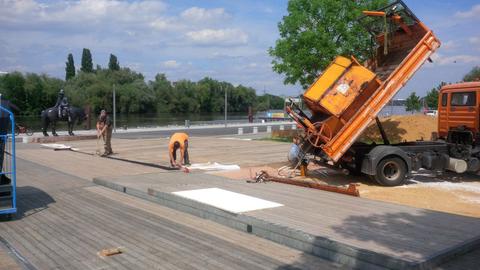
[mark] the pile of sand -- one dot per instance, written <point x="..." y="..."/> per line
<point x="402" y="128"/>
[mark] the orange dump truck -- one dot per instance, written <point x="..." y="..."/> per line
<point x="348" y="96"/>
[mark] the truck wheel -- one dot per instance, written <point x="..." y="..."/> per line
<point x="391" y="171"/>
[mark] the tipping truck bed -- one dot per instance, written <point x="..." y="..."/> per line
<point x="348" y="95"/>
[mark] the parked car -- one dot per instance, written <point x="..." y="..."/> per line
<point x="431" y="112"/>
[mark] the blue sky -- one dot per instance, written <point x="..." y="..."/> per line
<point x="225" y="40"/>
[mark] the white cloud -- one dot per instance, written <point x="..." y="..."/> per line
<point x="218" y="37"/>
<point x="196" y="14"/>
<point x="449" y="45"/>
<point x="473" y="13"/>
<point x="37" y="35"/>
<point x="85" y="12"/>
<point x="441" y="60"/>
<point x="171" y="64"/>
<point x="164" y="24"/>
<point x="133" y="66"/>
<point x="52" y="67"/>
<point x="474" y="41"/>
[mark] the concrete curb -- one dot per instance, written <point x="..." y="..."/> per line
<point x="323" y="247"/>
<point x="53" y="139"/>
<point x="170" y="128"/>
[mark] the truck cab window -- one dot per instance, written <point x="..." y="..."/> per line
<point x="444" y="99"/>
<point x="463" y="99"/>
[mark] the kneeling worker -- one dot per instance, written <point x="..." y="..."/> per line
<point x="178" y="141"/>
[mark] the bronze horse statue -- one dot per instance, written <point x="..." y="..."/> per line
<point x="50" y="116"/>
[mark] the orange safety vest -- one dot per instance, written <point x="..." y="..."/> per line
<point x="180" y="138"/>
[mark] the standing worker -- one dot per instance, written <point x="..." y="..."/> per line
<point x="178" y="141"/>
<point x="104" y="129"/>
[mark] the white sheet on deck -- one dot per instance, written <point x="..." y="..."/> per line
<point x="55" y="146"/>
<point x="227" y="200"/>
<point x="209" y="166"/>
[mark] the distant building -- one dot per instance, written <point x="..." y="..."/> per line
<point x="397" y="102"/>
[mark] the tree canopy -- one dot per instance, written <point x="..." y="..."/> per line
<point x="87" y="62"/>
<point x="314" y="32"/>
<point x="113" y="63"/>
<point x="413" y="103"/>
<point x="30" y="92"/>
<point x="33" y="93"/>
<point x="432" y="96"/>
<point x="473" y="75"/>
<point x="69" y="67"/>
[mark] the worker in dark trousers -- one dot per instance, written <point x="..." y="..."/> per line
<point x="104" y="129"/>
<point x="5" y="126"/>
<point x="178" y="141"/>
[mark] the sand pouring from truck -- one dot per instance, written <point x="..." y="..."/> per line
<point x="348" y="96"/>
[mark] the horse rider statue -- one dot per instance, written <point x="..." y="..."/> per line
<point x="62" y="105"/>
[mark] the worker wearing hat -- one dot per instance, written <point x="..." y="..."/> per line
<point x="178" y="141"/>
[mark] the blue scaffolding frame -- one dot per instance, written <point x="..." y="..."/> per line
<point x="8" y="173"/>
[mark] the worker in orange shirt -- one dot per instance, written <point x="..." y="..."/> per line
<point x="178" y="141"/>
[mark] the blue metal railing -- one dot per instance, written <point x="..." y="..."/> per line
<point x="9" y="160"/>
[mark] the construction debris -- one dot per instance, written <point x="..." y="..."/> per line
<point x="263" y="177"/>
<point x="110" y="252"/>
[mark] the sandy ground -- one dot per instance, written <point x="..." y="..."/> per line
<point x="403" y="128"/>
<point x="447" y="193"/>
<point x="452" y="193"/>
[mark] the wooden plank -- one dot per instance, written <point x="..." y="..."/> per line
<point x="66" y="224"/>
<point x="398" y="231"/>
<point x="255" y="244"/>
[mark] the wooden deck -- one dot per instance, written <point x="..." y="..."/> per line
<point x="59" y="207"/>
<point x="64" y="221"/>
<point x="359" y="232"/>
<point x="7" y="259"/>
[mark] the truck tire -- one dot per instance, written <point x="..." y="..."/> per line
<point x="391" y="171"/>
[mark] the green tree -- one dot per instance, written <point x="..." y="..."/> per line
<point x="413" y="103"/>
<point x="314" y="32"/>
<point x="473" y="75"/>
<point x="87" y="63"/>
<point x="432" y="96"/>
<point x="163" y="91"/>
<point x="269" y="102"/>
<point x="69" y="67"/>
<point x="13" y="89"/>
<point x="113" y="63"/>
<point x="33" y="93"/>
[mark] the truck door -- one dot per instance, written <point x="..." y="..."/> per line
<point x="443" y="115"/>
<point x="463" y="110"/>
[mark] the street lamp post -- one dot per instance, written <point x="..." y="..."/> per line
<point x="226" y="108"/>
<point x="114" y="111"/>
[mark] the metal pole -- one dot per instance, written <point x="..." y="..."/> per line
<point x="226" y="108"/>
<point x="114" y="111"/>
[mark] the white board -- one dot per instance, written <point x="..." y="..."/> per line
<point x="227" y="200"/>
<point x="209" y="166"/>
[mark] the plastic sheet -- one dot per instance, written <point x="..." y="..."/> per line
<point x="213" y="166"/>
